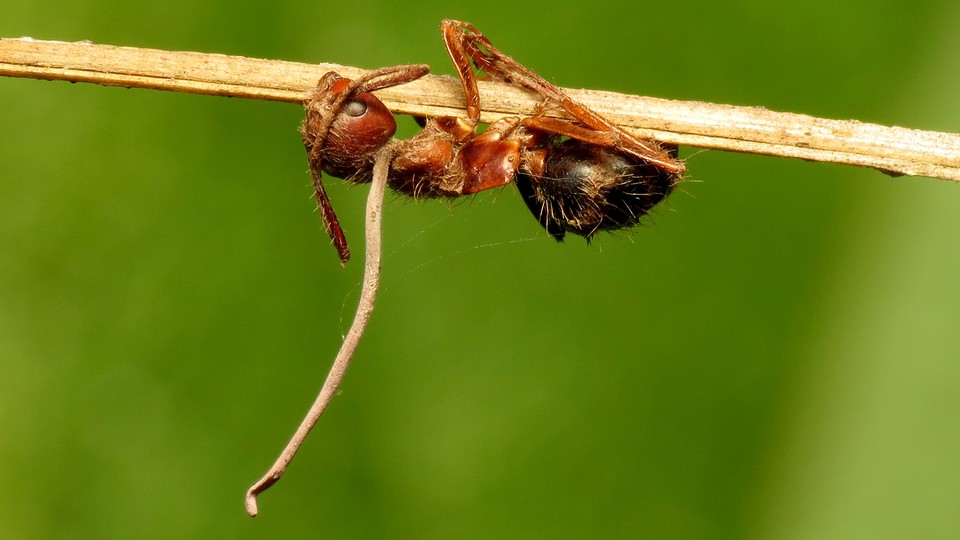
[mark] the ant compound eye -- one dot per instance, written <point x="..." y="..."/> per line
<point x="355" y="108"/>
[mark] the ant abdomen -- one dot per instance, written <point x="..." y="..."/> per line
<point x="585" y="188"/>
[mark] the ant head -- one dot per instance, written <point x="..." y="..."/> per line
<point x="346" y="124"/>
<point x="360" y="127"/>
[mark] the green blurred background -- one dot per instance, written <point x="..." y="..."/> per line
<point x="776" y="355"/>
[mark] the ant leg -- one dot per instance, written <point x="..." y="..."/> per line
<point x="504" y="68"/>
<point x="567" y="128"/>
<point x="454" y="43"/>
<point x="603" y="139"/>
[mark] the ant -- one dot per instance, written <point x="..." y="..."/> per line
<point x="581" y="176"/>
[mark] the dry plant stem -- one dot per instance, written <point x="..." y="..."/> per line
<point x="724" y="127"/>
<point x="368" y="294"/>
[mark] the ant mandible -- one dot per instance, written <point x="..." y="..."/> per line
<point x="581" y="176"/>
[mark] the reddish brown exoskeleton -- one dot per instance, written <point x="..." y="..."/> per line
<point x="579" y="175"/>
